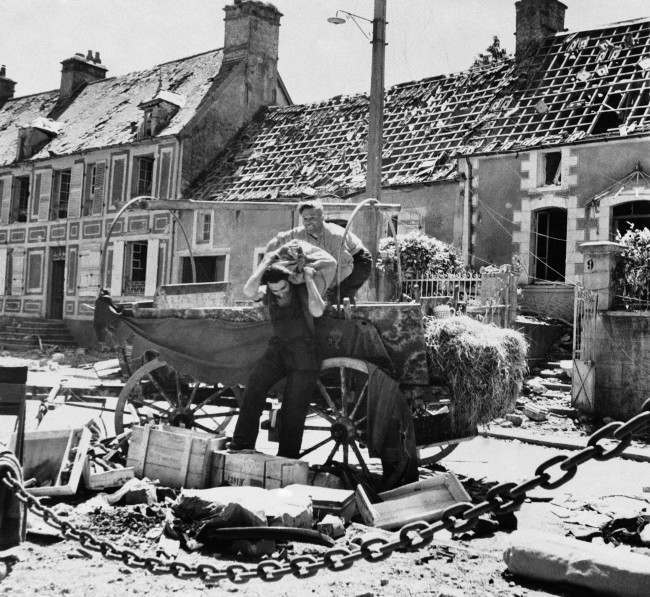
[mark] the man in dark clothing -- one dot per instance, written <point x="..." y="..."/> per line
<point x="291" y="353"/>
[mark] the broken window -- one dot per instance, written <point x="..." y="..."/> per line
<point x="60" y="195"/>
<point x="209" y="268"/>
<point x="550" y="169"/>
<point x="19" y="199"/>
<point x="549" y="244"/>
<point x="633" y="214"/>
<point x="135" y="267"/>
<point x="142" y="176"/>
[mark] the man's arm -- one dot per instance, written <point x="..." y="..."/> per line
<point x="278" y="240"/>
<point x="252" y="286"/>
<point x="315" y="302"/>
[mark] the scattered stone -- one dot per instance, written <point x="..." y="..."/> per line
<point x="332" y="526"/>
<point x="516" y="420"/>
<point x="507" y="424"/>
<point x="535" y="413"/>
<point x="534" y="386"/>
<point x="383" y="582"/>
<point x="58" y="357"/>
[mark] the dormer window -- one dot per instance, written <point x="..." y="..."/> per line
<point x="158" y="113"/>
<point x="33" y="137"/>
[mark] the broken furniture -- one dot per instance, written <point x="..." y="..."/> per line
<point x="175" y="456"/>
<point x="423" y="500"/>
<point x="12" y="402"/>
<point x="55" y="459"/>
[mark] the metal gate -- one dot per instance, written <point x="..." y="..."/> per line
<point x="584" y="334"/>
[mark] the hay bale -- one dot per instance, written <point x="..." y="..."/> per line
<point x="483" y="366"/>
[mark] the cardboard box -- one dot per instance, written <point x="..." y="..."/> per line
<point x="256" y="469"/>
<point x="423" y="500"/>
<point x="175" y="456"/>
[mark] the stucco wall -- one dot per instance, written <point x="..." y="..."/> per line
<point x="496" y="183"/>
<point x="622" y="362"/>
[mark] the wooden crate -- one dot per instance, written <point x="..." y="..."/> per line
<point x="326" y="500"/>
<point x="56" y="460"/>
<point x="256" y="469"/>
<point x="422" y="500"/>
<point x="174" y="456"/>
<point x="106" y="479"/>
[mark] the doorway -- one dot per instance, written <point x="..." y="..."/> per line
<point x="549" y="244"/>
<point x="57" y="283"/>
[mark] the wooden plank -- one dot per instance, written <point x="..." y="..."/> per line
<point x="106" y="479"/>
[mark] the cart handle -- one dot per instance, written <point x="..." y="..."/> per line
<point x="371" y="201"/>
<point x="141" y="202"/>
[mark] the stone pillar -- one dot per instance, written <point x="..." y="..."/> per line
<point x="600" y="259"/>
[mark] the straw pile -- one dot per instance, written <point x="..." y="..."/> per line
<point x="482" y="365"/>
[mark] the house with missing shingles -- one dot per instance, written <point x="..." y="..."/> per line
<point x="71" y="157"/>
<point x="517" y="157"/>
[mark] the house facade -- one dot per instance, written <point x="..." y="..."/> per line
<point x="72" y="157"/>
<point x="503" y="160"/>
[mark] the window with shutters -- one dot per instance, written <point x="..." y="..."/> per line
<point x="37" y="195"/>
<point x="203" y="227"/>
<point x="60" y="195"/>
<point x="135" y="267"/>
<point x="19" y="199"/>
<point x="94" y="191"/>
<point x="118" y="180"/>
<point x="142" y="176"/>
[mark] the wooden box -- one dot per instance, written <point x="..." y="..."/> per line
<point x="423" y="500"/>
<point x="175" y="456"/>
<point x="56" y="460"/>
<point x="106" y="479"/>
<point x="256" y="469"/>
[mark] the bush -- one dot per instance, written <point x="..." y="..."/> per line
<point x="632" y="274"/>
<point x="421" y="256"/>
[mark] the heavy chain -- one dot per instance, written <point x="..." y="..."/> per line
<point x="501" y="499"/>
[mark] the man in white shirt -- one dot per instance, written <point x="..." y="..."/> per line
<point x="354" y="261"/>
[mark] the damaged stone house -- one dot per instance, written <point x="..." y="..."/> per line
<point x="71" y="157"/>
<point x="504" y="159"/>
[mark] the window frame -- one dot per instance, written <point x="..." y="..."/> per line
<point x="542" y="160"/>
<point x="123" y="157"/>
<point x="55" y="202"/>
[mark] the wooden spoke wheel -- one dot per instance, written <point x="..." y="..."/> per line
<point x="343" y="389"/>
<point x="155" y="392"/>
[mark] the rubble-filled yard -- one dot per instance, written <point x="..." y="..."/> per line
<point x="606" y="505"/>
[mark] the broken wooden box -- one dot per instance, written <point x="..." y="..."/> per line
<point x="422" y="500"/>
<point x="175" y="456"/>
<point x="98" y="478"/>
<point x="326" y="500"/>
<point x="256" y="469"/>
<point x="56" y="460"/>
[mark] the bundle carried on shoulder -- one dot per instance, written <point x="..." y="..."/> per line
<point x="482" y="365"/>
<point x="296" y="254"/>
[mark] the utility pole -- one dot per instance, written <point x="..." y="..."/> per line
<point x="376" y="124"/>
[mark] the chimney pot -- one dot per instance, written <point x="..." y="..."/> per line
<point x="3" y="71"/>
<point x="7" y="86"/>
<point x="97" y="60"/>
<point x="89" y="55"/>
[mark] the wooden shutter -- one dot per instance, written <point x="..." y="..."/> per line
<point x="5" y="199"/>
<point x="71" y="271"/>
<point x="76" y="184"/>
<point x="3" y="268"/>
<point x="18" y="272"/>
<point x="98" y="195"/>
<point x="118" y="268"/>
<point x="44" y="196"/>
<point x="164" y="180"/>
<point x="36" y="195"/>
<point x="89" y="270"/>
<point x="152" y="267"/>
<point x="117" y="183"/>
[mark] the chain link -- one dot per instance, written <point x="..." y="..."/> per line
<point x="503" y="498"/>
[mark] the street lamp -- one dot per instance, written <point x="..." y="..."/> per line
<point x="376" y="116"/>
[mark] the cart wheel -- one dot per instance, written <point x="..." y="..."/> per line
<point x="157" y="393"/>
<point x="433" y="454"/>
<point x="343" y="387"/>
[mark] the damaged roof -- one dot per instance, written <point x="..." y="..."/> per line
<point x="107" y="112"/>
<point x="577" y="87"/>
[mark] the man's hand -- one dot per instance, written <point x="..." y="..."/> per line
<point x="271" y="257"/>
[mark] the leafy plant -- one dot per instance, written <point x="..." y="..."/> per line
<point x="632" y="273"/>
<point x="421" y="256"/>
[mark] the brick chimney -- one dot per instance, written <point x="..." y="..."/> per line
<point x="251" y="34"/>
<point x="78" y="71"/>
<point x="7" y="86"/>
<point x="536" y="20"/>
